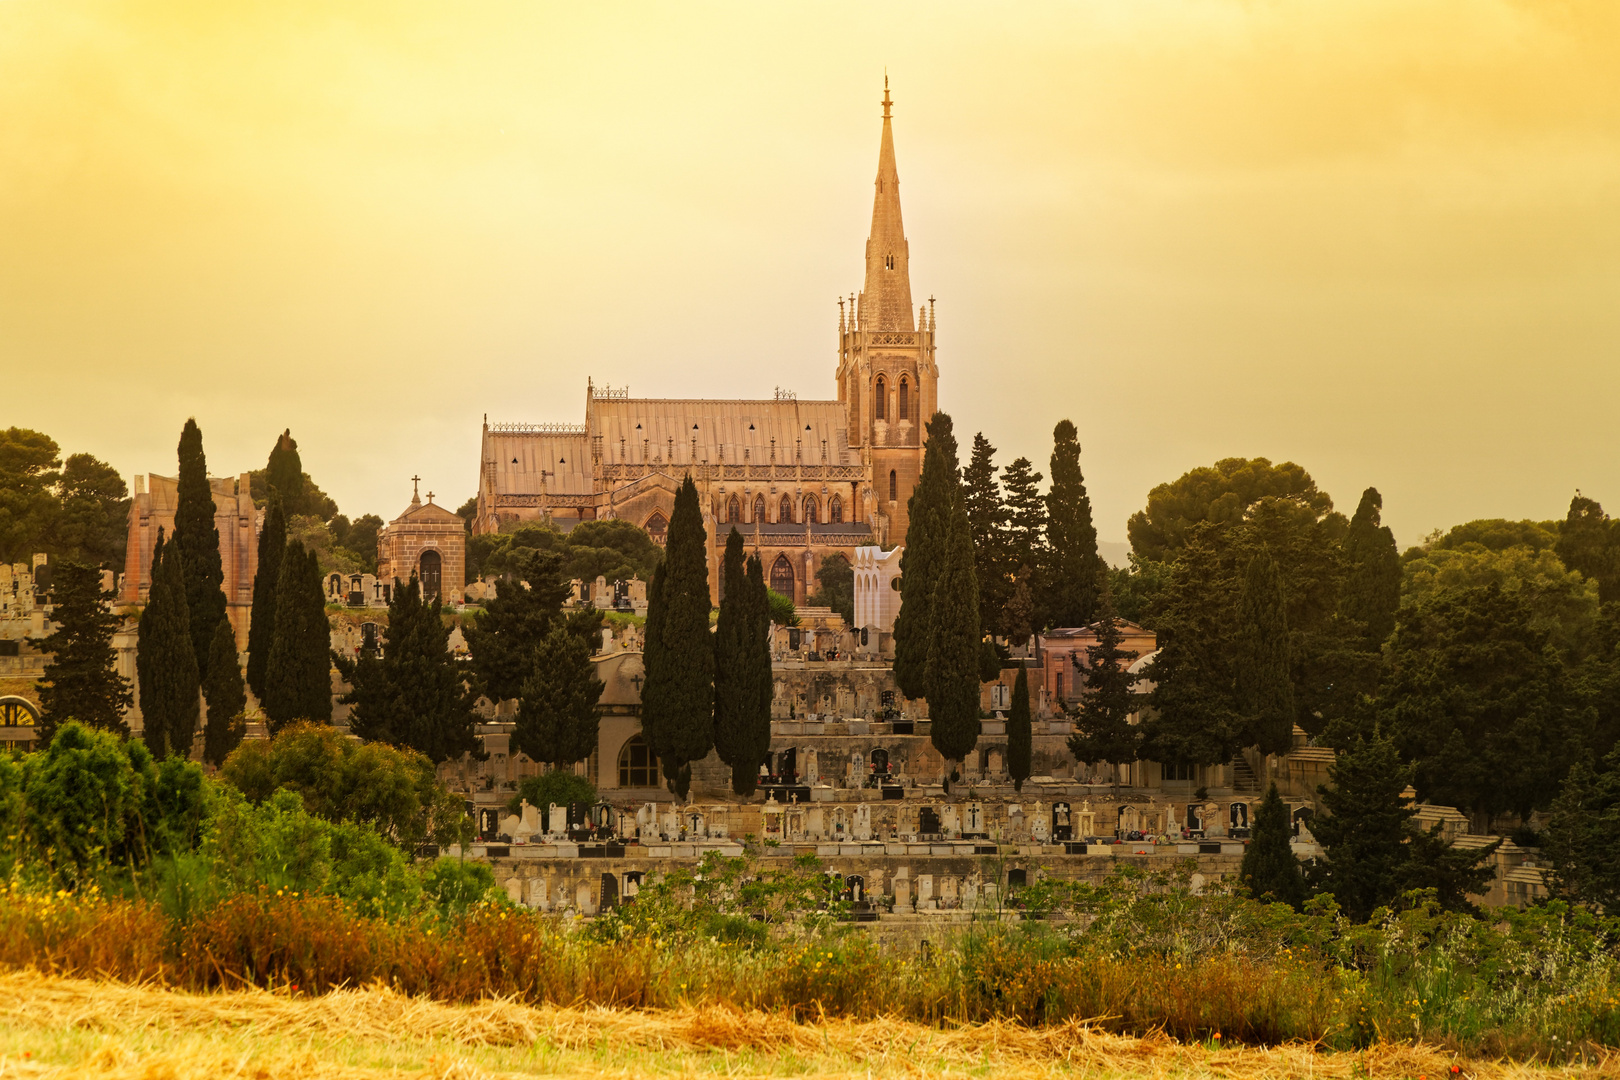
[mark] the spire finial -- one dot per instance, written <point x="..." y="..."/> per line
<point x="415" y="498"/>
<point x="886" y="102"/>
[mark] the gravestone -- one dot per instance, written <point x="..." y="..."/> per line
<point x="537" y="893"/>
<point x="1062" y="829"/>
<point x="863" y="822"/>
<point x="1040" y="824"/>
<point x="928" y="823"/>
<point x="950" y="822"/>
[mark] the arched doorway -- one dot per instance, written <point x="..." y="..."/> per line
<point x="637" y="765"/>
<point x="782" y="576"/>
<point x="430" y="571"/>
<point x="657" y="526"/>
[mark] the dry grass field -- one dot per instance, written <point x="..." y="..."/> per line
<point x="56" y="1027"/>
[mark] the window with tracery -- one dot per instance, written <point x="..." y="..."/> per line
<point x="759" y="508"/>
<point x="905" y="401"/>
<point x="784" y="512"/>
<point x="810" y="510"/>
<point x="835" y="510"/>
<point x="782" y="576"/>
<point x="881" y="400"/>
<point x="657" y="526"/>
<point x="733" y="510"/>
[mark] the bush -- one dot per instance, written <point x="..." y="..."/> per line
<point x="558" y="786"/>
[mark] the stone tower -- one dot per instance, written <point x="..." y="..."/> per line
<point x="887" y="378"/>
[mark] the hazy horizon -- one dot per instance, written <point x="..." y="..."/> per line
<point x="1381" y="239"/>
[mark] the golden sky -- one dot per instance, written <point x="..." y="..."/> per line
<point x="1377" y="237"/>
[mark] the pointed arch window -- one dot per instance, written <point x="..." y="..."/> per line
<point x="810" y="509"/>
<point x="784" y="511"/>
<point x="881" y="400"/>
<point x="894" y="486"/>
<point x="835" y="510"/>
<point x="656" y="527"/>
<point x="759" y="508"/>
<point x="782" y="576"/>
<point x="905" y="400"/>
<point x="733" y="510"/>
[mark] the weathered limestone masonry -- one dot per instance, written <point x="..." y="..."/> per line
<point x="426" y="540"/>
<point x="800" y="479"/>
<point x="152" y="508"/>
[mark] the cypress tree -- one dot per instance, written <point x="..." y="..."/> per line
<point x="197" y="539"/>
<point x="262" y="623"/>
<point x="558" y="712"/>
<point x="756" y="736"/>
<point x="81" y="678"/>
<point x="929" y="509"/>
<point x="226" y="697"/>
<point x="1265" y="691"/>
<point x="987" y="518"/>
<point x="1372" y="587"/>
<point x="284" y="474"/>
<point x="165" y="665"/>
<point x="298" y="674"/>
<point x="1366" y="828"/>
<point x="1269" y="868"/>
<point x="954" y="644"/>
<point x="415" y="694"/>
<point x="511" y="627"/>
<point x="677" y="700"/>
<point x="1103" y="729"/>
<point x="1020" y="735"/>
<point x="736" y="699"/>
<point x="1073" y="569"/>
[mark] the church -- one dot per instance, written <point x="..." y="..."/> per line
<point x="800" y="479"/>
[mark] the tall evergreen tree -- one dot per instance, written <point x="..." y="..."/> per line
<point x="197" y="538"/>
<point x="1102" y="726"/>
<point x="298" y="675"/>
<point x="1366" y="828"/>
<point x="415" y="694"/>
<point x="1582" y="837"/>
<point x="987" y="519"/>
<point x="1073" y="570"/>
<point x="759" y="662"/>
<point x="1269" y="868"/>
<point x="1372" y="585"/>
<point x="284" y="473"/>
<point x="1026" y="518"/>
<point x="527" y="607"/>
<point x="1264" y="691"/>
<point x="929" y="510"/>
<point x="81" y="678"/>
<point x="739" y="721"/>
<point x="165" y="666"/>
<point x="677" y="700"/>
<point x="559" y="711"/>
<point x="1020" y="733"/>
<point x="262" y="622"/>
<point x="226" y="697"/>
<point x="954" y="642"/>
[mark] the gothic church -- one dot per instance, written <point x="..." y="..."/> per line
<point x="799" y="479"/>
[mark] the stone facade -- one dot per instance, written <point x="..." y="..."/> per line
<point x="152" y="509"/>
<point x="800" y="479"/>
<point x="426" y="540"/>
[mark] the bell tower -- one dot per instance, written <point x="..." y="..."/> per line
<point x="887" y="377"/>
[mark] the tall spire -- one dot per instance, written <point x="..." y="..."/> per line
<point x="886" y="301"/>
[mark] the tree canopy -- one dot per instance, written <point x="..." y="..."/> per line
<point x="1220" y="494"/>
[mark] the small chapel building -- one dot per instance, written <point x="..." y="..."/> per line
<point x="426" y="540"/>
<point x="800" y="479"/>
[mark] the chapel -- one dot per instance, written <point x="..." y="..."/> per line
<point x="800" y="479"/>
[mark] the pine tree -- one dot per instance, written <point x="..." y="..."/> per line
<point x="226" y="697"/>
<point x="262" y="623"/>
<point x="1372" y="587"/>
<point x="1102" y="727"/>
<point x="81" y="678"/>
<point x="1582" y="837"/>
<point x="1269" y="868"/>
<point x="929" y="509"/>
<point x="1265" y="692"/>
<point x="559" y="711"/>
<point x="415" y="694"/>
<point x="736" y="691"/>
<point x="1026" y="520"/>
<point x="677" y="700"/>
<point x="987" y="518"/>
<point x="1072" y="571"/>
<point x="197" y="538"/>
<point x="284" y="474"/>
<point x="1590" y="542"/>
<point x="526" y="608"/>
<point x="1020" y="734"/>
<point x="298" y="674"/>
<point x="1018" y="619"/>
<point x="1366" y="828"/>
<point x="166" y="668"/>
<point x="953" y="647"/>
